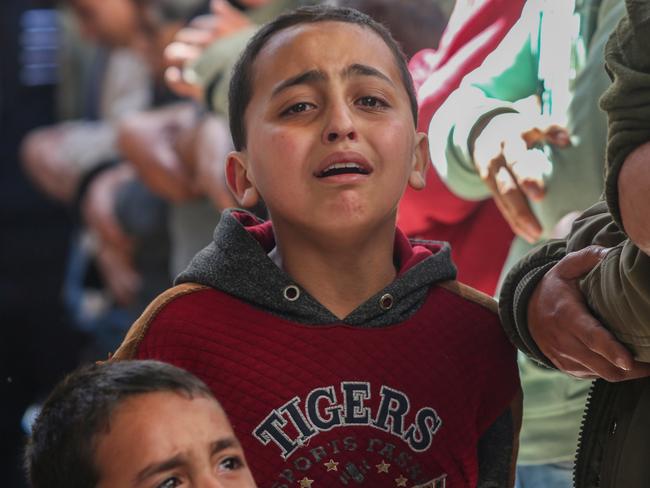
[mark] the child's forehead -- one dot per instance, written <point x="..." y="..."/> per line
<point x="323" y="45"/>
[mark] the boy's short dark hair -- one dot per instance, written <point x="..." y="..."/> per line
<point x="60" y="451"/>
<point x="241" y="83"/>
<point x="414" y="24"/>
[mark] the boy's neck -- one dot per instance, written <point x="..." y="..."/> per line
<point x="340" y="273"/>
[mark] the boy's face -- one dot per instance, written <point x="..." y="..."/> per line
<point x="109" y="22"/>
<point x="331" y="143"/>
<point x="165" y="440"/>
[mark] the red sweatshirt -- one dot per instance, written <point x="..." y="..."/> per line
<point x="399" y="393"/>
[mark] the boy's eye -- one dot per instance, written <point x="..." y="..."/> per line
<point x="170" y="482"/>
<point x="372" y="102"/>
<point x="298" y="108"/>
<point x="231" y="463"/>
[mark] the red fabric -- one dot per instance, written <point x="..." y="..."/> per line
<point x="449" y="370"/>
<point x="407" y="255"/>
<point x="478" y="235"/>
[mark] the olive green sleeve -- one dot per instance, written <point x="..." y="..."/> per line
<point x="594" y="226"/>
<point x="618" y="292"/>
<point x="627" y="101"/>
<point x="618" y="289"/>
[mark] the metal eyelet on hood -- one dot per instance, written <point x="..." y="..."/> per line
<point x="291" y="293"/>
<point x="386" y="302"/>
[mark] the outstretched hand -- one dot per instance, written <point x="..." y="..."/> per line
<point x="513" y="168"/>
<point x="566" y="332"/>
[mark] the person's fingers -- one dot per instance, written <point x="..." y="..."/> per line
<point x="194" y="37"/>
<point x="578" y="263"/>
<point x="178" y="53"/>
<point x="598" y="367"/>
<point x="499" y="181"/>
<point x="121" y="278"/>
<point x="571" y="367"/>
<point x="532" y="136"/>
<point x="529" y="171"/>
<point x="534" y="189"/>
<point x="638" y="370"/>
<point x="111" y="232"/>
<point x="574" y="354"/>
<point x="553" y="134"/>
<point x="557" y="135"/>
<point x="177" y="83"/>
<point x="516" y="206"/>
<point x="584" y="363"/>
<point x="599" y="340"/>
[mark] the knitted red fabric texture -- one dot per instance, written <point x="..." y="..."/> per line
<point x="326" y="406"/>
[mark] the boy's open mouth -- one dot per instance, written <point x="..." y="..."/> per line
<point x="349" y="168"/>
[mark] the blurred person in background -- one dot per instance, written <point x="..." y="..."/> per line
<point x="129" y="220"/>
<point x="75" y="163"/>
<point x="474" y="30"/>
<point x="127" y="223"/>
<point x="65" y="159"/>
<point x="525" y="130"/>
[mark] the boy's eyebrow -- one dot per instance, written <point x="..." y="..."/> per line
<point x="223" y="444"/>
<point x="308" y="77"/>
<point x="314" y="76"/>
<point x="178" y="460"/>
<point x="365" y="70"/>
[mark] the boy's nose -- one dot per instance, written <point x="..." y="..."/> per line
<point x="339" y="126"/>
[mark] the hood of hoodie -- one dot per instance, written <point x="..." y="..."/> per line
<point x="236" y="262"/>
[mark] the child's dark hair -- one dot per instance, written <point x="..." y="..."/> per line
<point x="241" y="83"/>
<point x="60" y="451"/>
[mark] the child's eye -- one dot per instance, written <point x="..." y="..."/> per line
<point x="372" y="102"/>
<point x="170" y="482"/>
<point x="298" y="108"/>
<point x="231" y="463"/>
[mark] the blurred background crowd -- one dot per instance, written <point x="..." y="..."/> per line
<point x="114" y="131"/>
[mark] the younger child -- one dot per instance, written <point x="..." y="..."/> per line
<point x="345" y="354"/>
<point x="134" y="424"/>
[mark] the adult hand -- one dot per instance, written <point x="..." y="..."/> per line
<point x="150" y="141"/>
<point x="98" y="207"/>
<point x="119" y="273"/>
<point x="44" y="162"/>
<point x="191" y="41"/>
<point x="114" y="247"/>
<point x="567" y="333"/>
<point x="513" y="169"/>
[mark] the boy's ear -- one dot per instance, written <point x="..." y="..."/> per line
<point x="240" y="180"/>
<point x="417" y="178"/>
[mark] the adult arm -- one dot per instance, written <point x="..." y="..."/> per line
<point x="627" y="103"/>
<point x="617" y="289"/>
<point x="555" y="302"/>
<point x="150" y="141"/>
